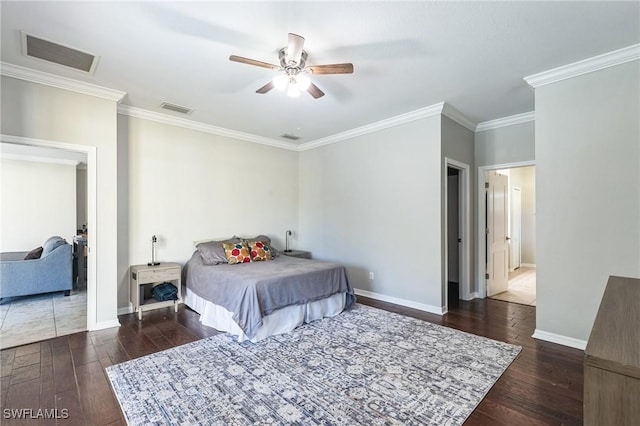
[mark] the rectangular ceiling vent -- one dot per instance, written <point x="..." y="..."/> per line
<point x="290" y="136"/>
<point x="49" y="51"/>
<point x="176" y="108"/>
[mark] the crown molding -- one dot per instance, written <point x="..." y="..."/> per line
<point x="606" y="60"/>
<point x="458" y="117"/>
<point x="375" y="127"/>
<point x="39" y="159"/>
<point x="202" y="127"/>
<point x="506" y="121"/>
<point x="28" y="74"/>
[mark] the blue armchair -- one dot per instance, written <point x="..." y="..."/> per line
<point x="51" y="272"/>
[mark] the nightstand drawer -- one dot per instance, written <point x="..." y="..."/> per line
<point x="154" y="275"/>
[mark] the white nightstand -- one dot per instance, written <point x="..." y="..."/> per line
<point x="297" y="253"/>
<point x="142" y="275"/>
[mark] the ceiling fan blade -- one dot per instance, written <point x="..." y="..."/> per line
<point x="332" y="69"/>
<point x="294" y="48"/>
<point x="248" y="61"/>
<point x="264" y="89"/>
<point x="315" y="91"/>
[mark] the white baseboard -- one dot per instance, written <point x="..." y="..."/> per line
<point x="438" y="310"/>
<point x="126" y="310"/>
<point x="101" y="325"/>
<point x="528" y="265"/>
<point x="559" y="339"/>
<point x="473" y="295"/>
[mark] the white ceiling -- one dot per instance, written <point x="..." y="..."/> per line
<point x="407" y="55"/>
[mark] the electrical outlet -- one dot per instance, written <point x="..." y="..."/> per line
<point x="371" y="276"/>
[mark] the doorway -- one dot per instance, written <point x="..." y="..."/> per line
<point x="457" y="233"/>
<point x="91" y="210"/>
<point x="52" y="177"/>
<point x="507" y="248"/>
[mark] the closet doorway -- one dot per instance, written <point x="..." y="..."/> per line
<point x="457" y="230"/>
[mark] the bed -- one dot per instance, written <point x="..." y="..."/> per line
<point x="258" y="299"/>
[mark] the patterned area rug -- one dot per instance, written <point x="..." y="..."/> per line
<point x="365" y="366"/>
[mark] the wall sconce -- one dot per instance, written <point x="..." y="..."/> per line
<point x="286" y="239"/>
<point x="153" y="262"/>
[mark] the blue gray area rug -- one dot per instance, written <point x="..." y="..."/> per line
<point x="363" y="367"/>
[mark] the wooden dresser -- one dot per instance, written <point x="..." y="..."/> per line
<point x="612" y="357"/>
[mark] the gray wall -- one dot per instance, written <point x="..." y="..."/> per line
<point x="588" y="193"/>
<point x="373" y="203"/>
<point x="185" y="185"/>
<point x="504" y="145"/>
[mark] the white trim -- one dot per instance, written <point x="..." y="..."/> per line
<point x="525" y="117"/>
<point x="458" y="117"/>
<point x="480" y="229"/>
<point x="528" y="265"/>
<point x="91" y="152"/>
<point x="16" y="71"/>
<point x="126" y="310"/>
<point x="466" y="267"/>
<point x="559" y="339"/>
<point x="606" y="60"/>
<point x="377" y="126"/>
<point x="106" y="324"/>
<point x="402" y="302"/>
<point x="202" y="127"/>
<point x="39" y="159"/>
<point x="22" y="73"/>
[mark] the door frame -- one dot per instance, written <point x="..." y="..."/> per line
<point x="464" y="229"/>
<point x="92" y="208"/>
<point x="481" y="236"/>
<point x="512" y="228"/>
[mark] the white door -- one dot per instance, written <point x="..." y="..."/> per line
<point x="497" y="236"/>
<point x="516" y="227"/>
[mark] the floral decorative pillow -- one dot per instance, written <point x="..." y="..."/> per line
<point x="237" y="252"/>
<point x="259" y="250"/>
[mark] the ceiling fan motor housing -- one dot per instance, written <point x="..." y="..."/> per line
<point x="287" y="65"/>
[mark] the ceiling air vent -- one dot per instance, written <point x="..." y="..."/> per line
<point x="62" y="55"/>
<point x="290" y="136"/>
<point x="176" y="108"/>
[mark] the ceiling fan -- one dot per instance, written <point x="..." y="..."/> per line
<point x="293" y="70"/>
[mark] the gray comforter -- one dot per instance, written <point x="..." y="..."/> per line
<point x="253" y="290"/>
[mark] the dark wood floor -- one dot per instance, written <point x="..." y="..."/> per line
<point x="542" y="386"/>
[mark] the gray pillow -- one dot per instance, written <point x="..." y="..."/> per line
<point x="212" y="252"/>
<point x="51" y="244"/>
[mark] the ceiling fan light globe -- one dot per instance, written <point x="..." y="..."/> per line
<point x="303" y="81"/>
<point x="281" y="81"/>
<point x="293" y="91"/>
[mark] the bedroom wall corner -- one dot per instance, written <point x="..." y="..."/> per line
<point x="458" y="144"/>
<point x="123" y="213"/>
<point x="372" y="203"/>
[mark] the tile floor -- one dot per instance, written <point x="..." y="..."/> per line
<point x="522" y="287"/>
<point x="33" y="318"/>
